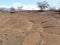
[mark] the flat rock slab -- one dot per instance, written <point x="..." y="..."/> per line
<point x="15" y="30"/>
<point x="29" y="29"/>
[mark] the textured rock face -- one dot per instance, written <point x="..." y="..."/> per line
<point x="29" y="29"/>
<point x="17" y="30"/>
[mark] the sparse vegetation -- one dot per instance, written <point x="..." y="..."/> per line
<point x="20" y="8"/>
<point x="43" y="5"/>
<point x="3" y="10"/>
<point x="52" y="9"/>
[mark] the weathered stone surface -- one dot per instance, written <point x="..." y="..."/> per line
<point x="29" y="28"/>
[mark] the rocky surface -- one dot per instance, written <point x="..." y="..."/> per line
<point x="30" y="28"/>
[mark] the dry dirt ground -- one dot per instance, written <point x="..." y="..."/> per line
<point x="30" y="28"/>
